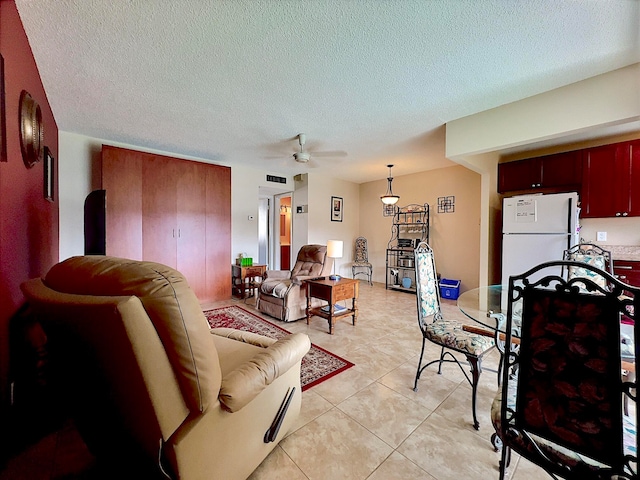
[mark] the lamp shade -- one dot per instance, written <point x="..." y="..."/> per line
<point x="389" y="198"/>
<point x="334" y="248"/>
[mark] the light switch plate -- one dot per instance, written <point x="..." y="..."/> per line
<point x="602" y="236"/>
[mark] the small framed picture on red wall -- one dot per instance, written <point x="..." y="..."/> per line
<point x="49" y="170"/>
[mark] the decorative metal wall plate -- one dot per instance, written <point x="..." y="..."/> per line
<point x="31" y="130"/>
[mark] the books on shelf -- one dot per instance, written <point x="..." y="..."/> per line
<point x="336" y="309"/>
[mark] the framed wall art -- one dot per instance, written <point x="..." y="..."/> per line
<point x="31" y="130"/>
<point x="447" y="204"/>
<point x="48" y="174"/>
<point x="337" y="207"/>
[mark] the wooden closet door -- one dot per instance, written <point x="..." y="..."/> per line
<point x="122" y="180"/>
<point x="159" y="210"/>
<point x="176" y="212"/>
<point x="191" y="203"/>
<point x="218" y="232"/>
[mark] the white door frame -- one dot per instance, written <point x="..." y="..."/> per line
<point x="275" y="230"/>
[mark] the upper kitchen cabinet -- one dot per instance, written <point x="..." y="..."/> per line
<point x="609" y="172"/>
<point x="561" y="172"/>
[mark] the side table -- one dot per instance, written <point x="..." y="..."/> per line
<point x="245" y="279"/>
<point x="332" y="291"/>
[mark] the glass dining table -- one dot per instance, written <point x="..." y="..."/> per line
<point x="486" y="306"/>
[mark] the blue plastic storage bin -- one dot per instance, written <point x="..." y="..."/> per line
<point x="449" y="288"/>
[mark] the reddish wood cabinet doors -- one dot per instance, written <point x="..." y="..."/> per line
<point x="561" y="172"/>
<point x="609" y="176"/>
<point x="173" y="211"/>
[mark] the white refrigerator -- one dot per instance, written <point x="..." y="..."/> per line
<point x="537" y="229"/>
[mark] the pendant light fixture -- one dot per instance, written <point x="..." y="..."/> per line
<point x="389" y="198"/>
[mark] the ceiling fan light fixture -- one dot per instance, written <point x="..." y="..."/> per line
<point x="389" y="198"/>
<point x="302" y="157"/>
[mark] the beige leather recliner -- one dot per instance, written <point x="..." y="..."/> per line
<point x="282" y="294"/>
<point x="150" y="384"/>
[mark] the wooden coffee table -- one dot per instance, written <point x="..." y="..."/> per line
<point x="332" y="291"/>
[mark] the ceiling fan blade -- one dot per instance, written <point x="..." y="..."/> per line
<point x="284" y="146"/>
<point x="335" y="153"/>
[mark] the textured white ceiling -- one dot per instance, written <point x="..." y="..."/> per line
<point x="234" y="81"/>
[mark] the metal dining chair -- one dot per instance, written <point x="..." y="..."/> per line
<point x="600" y="258"/>
<point x="590" y="254"/>
<point x="560" y="404"/>
<point x="448" y="334"/>
<point x="361" y="260"/>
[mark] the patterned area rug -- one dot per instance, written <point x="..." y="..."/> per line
<point x="317" y="366"/>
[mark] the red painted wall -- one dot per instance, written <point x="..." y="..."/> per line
<point x="28" y="222"/>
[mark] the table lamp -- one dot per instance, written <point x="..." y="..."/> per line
<point x="334" y="250"/>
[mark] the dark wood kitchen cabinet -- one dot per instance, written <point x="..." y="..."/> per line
<point x="610" y="173"/>
<point x="627" y="271"/>
<point x="561" y="172"/>
<point x="172" y="211"/>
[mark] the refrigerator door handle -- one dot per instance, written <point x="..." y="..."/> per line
<point x="569" y="222"/>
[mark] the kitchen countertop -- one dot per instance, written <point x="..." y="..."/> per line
<point x="624" y="252"/>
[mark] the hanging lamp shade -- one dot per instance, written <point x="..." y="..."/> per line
<point x="389" y="198"/>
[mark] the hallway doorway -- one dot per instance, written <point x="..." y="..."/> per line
<point x="274" y="228"/>
<point x="285" y="232"/>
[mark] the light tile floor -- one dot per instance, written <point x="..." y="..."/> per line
<point x="368" y="423"/>
<point x="364" y="423"/>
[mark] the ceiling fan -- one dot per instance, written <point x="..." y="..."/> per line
<point x="304" y="156"/>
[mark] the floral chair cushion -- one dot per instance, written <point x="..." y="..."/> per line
<point x="444" y="332"/>
<point x="553" y="451"/>
<point x="451" y="334"/>
<point x="598" y="261"/>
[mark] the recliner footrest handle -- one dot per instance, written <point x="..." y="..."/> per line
<point x="271" y="434"/>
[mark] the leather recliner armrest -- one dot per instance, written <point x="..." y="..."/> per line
<point x="277" y="274"/>
<point x="244" y="383"/>
<point x="297" y="280"/>
<point x="245" y="337"/>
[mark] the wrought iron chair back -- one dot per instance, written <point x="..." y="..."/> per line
<point x="449" y="335"/>
<point x="561" y="401"/>
<point x="590" y="254"/>
<point x="361" y="260"/>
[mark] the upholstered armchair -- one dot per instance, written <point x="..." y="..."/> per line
<point x="151" y="387"/>
<point x="282" y="294"/>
